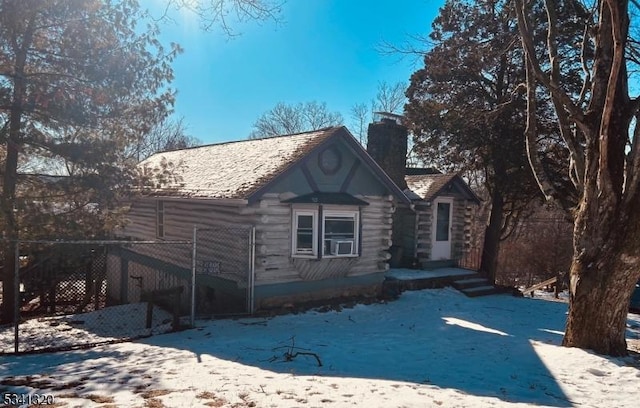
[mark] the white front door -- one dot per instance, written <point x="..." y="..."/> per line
<point x="441" y="233"/>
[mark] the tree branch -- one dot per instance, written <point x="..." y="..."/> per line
<point x="531" y="133"/>
<point x="575" y="113"/>
<point x="632" y="181"/>
<point x="614" y="22"/>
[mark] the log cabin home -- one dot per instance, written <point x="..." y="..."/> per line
<point x="321" y="207"/>
<point x="323" y="218"/>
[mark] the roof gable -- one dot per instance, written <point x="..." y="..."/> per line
<point x="429" y="186"/>
<point x="245" y="169"/>
<point x="233" y="169"/>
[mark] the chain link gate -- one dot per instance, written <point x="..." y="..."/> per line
<point x="224" y="269"/>
<point x="85" y="293"/>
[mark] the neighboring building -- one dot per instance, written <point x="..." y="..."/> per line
<point x="321" y="207"/>
<point x="435" y="229"/>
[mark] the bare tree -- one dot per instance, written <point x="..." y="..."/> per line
<point x="225" y="14"/>
<point x="601" y="132"/>
<point x="285" y="119"/>
<point x="391" y="98"/>
<point x="166" y="135"/>
<point x="360" y="118"/>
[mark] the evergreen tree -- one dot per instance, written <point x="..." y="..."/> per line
<point x="79" y="82"/>
<point x="467" y="113"/>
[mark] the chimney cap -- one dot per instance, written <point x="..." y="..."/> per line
<point x="388" y="117"/>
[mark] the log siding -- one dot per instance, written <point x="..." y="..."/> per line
<point x="274" y="234"/>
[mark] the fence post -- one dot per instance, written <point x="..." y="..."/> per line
<point x="17" y="300"/>
<point x="193" y="276"/>
<point x="150" y="310"/>
<point x="252" y="271"/>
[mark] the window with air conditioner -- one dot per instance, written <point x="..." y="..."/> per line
<point x="340" y="233"/>
<point x="323" y="233"/>
<point x="341" y="247"/>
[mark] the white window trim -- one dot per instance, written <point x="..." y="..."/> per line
<point x="356" y="226"/>
<point x="160" y="219"/>
<point x="294" y="233"/>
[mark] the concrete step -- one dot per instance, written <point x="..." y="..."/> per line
<point x="470" y="282"/>
<point x="480" y="291"/>
<point x="431" y="265"/>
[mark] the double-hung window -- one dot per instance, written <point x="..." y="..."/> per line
<point x="305" y="237"/>
<point x="334" y="233"/>
<point x="340" y="233"/>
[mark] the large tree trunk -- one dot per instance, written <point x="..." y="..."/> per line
<point x="491" y="245"/>
<point x="10" y="234"/>
<point x="606" y="261"/>
<point x="601" y="286"/>
<point x="10" y="179"/>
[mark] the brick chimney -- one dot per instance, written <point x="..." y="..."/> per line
<point x="387" y="145"/>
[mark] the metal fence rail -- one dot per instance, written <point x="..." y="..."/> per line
<point x="72" y="294"/>
<point x="84" y="293"/>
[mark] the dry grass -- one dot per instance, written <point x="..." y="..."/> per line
<point x="99" y="399"/>
<point x="154" y="393"/>
<point x="39" y="383"/>
<point x="154" y="403"/>
<point x="217" y="403"/>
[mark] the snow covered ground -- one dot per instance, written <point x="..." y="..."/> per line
<point x="104" y="325"/>
<point x="427" y="349"/>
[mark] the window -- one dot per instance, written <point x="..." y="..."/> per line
<point x="340" y="233"/>
<point x="160" y="219"/>
<point x="443" y="214"/>
<point x="305" y="235"/>
<point x="339" y="229"/>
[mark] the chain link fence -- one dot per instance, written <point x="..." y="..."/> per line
<point x="85" y="293"/>
<point x="224" y="266"/>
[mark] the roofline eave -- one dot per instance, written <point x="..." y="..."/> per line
<point x="238" y="202"/>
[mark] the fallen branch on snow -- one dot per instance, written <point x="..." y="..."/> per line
<point x="293" y="352"/>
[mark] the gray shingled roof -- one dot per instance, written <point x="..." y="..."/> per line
<point x="233" y="169"/>
<point x="427" y="186"/>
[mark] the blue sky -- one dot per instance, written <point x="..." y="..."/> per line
<point x="322" y="50"/>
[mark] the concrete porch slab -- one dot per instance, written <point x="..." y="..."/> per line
<point x="413" y="274"/>
<point x="399" y="280"/>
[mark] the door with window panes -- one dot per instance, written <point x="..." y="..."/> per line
<point x="441" y="233"/>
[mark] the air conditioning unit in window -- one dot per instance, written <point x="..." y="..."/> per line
<point x="341" y="247"/>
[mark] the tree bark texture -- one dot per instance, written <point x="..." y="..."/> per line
<point x="606" y="260"/>
<point x="491" y="244"/>
<point x="13" y="142"/>
<point x="601" y="282"/>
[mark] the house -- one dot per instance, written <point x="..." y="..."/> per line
<point x="308" y="215"/>
<point x="292" y="218"/>
<point x="435" y="229"/>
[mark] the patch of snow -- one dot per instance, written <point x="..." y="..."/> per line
<point x="104" y="325"/>
<point x="411" y="274"/>
<point x="472" y="326"/>
<point x="430" y="348"/>
<point x="550" y="296"/>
